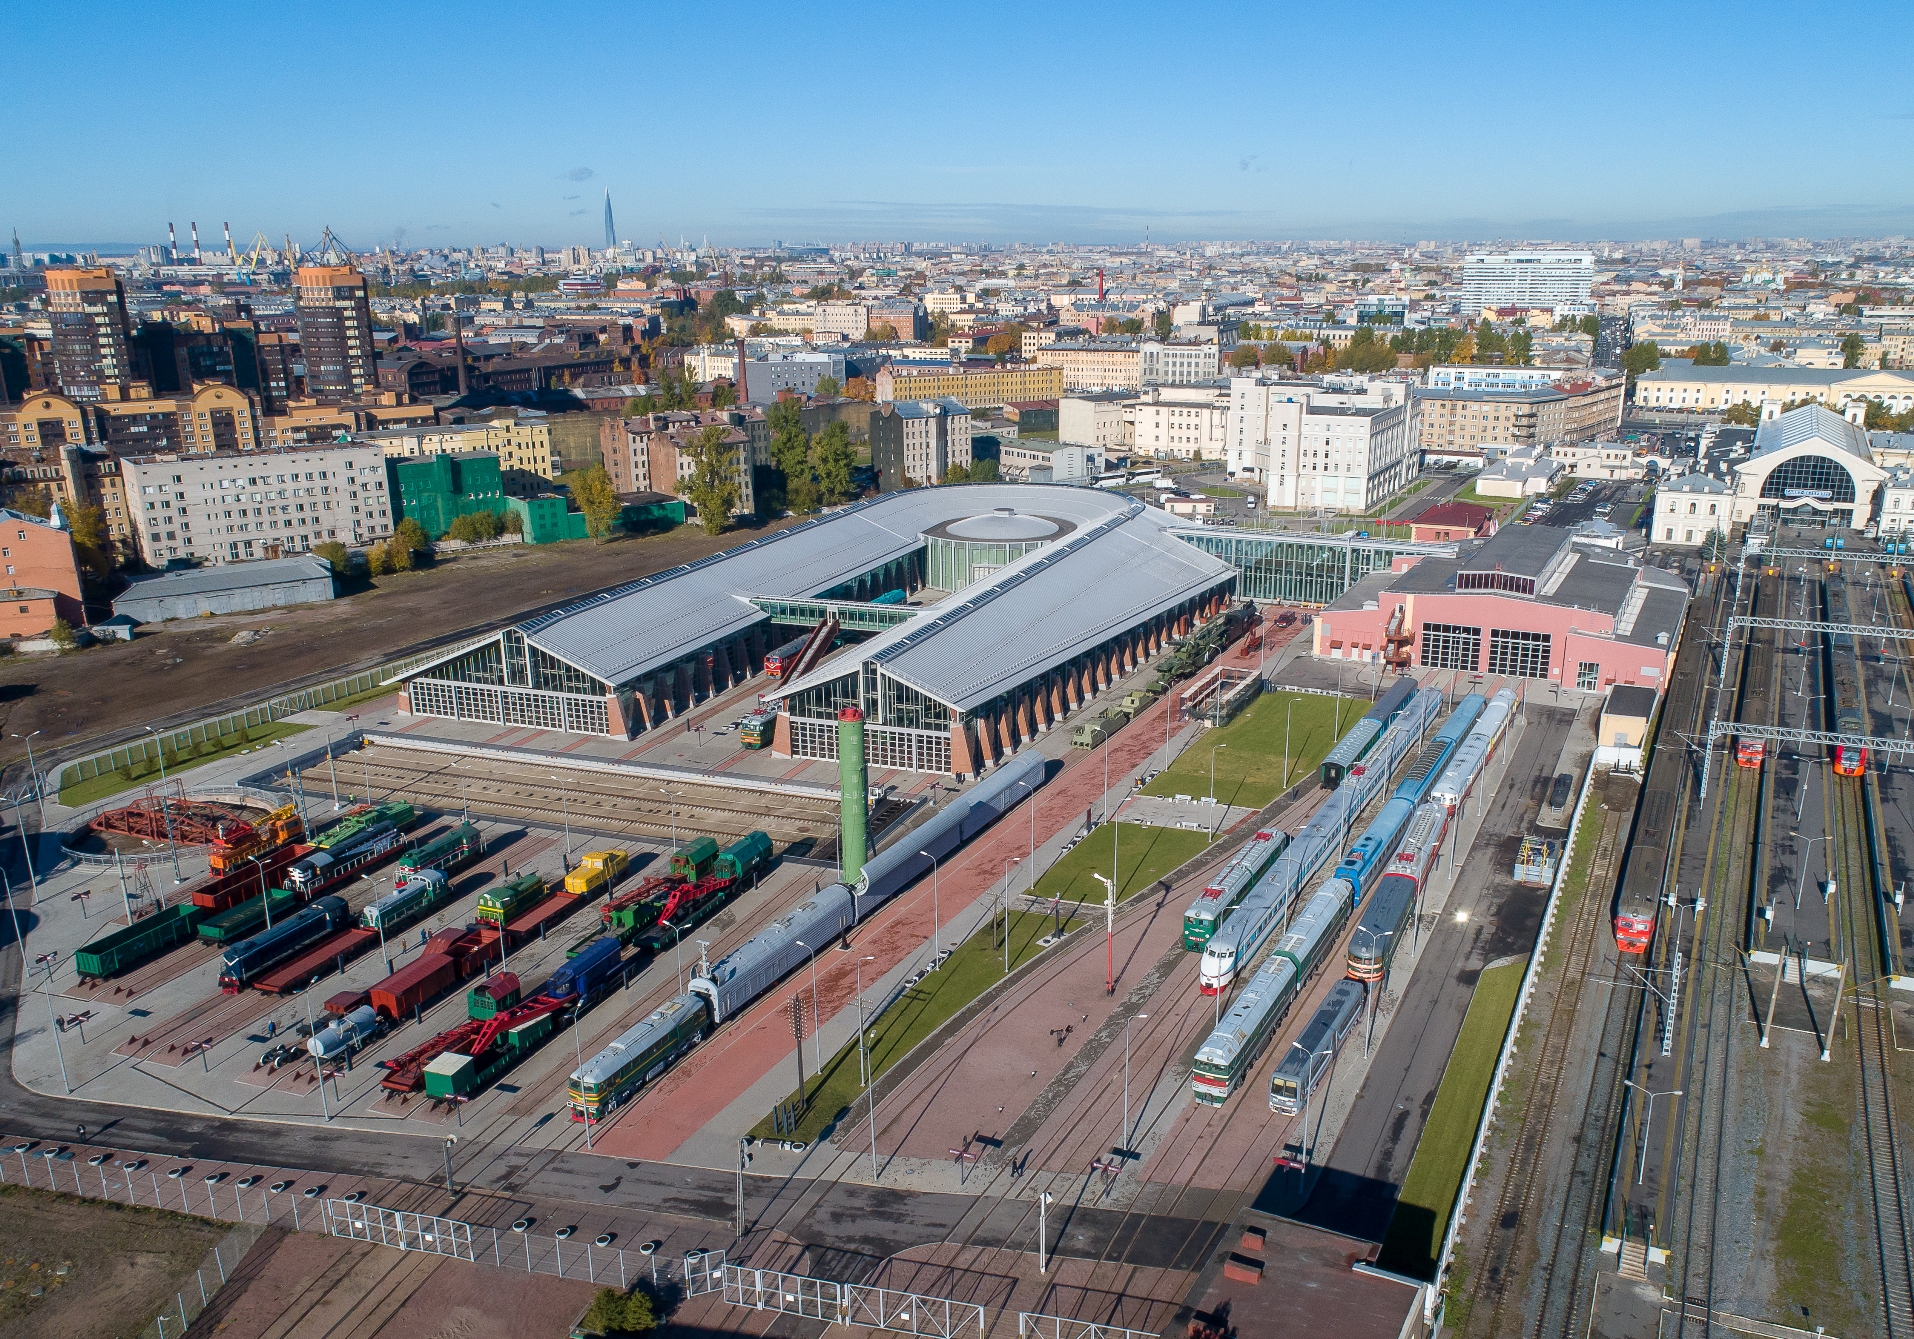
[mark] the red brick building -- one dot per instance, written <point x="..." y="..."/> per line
<point x="1449" y="521"/>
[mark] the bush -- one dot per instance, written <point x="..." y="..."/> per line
<point x="336" y="554"/>
<point x="514" y="523"/>
<point x="399" y="553"/>
<point x="62" y="635"/>
<point x="614" y="1313"/>
<point x="474" y="527"/>
<point x="379" y="560"/>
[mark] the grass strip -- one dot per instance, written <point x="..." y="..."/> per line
<point x="1146" y="854"/>
<point x="1435" y="1175"/>
<point x="1249" y="751"/>
<point x="79" y="794"/>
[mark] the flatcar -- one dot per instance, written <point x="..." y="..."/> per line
<point x="1312" y="1053"/>
<point x="1222" y="894"/>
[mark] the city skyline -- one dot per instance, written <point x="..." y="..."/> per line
<point x="1035" y="127"/>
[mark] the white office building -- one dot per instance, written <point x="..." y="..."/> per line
<point x="1469" y="377"/>
<point x="1526" y="279"/>
<point x="1180" y="362"/>
<point x="230" y="506"/>
<point x="1342" y="445"/>
<point x="1182" y="422"/>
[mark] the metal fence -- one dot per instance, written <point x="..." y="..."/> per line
<point x="850" y="1303"/>
<point x="1036" y="1325"/>
<point x="134" y="760"/>
<point x="399" y="1229"/>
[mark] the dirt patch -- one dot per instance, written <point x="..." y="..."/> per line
<point x="120" y="1264"/>
<point x="299" y="1285"/>
<point x="178" y="671"/>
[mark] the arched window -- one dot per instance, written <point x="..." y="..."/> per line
<point x="1810" y="476"/>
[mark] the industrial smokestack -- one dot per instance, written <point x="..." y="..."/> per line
<point x="195" y="228"/>
<point x="1099" y="284"/>
<point x="741" y="395"/>
<point x="231" y="253"/>
<point x="855" y="787"/>
<point x="458" y="342"/>
<point x="172" y="245"/>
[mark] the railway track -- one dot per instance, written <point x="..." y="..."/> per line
<point x="640" y="809"/>
<point x="1496" y="1282"/>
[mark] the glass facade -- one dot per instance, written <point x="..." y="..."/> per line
<point x="1805" y="477"/>
<point x="512" y="683"/>
<point x="1451" y="646"/>
<point x="1298" y="569"/>
<point x="1518" y="655"/>
<point x="952" y="564"/>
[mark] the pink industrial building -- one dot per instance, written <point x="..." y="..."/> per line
<point x="1532" y="602"/>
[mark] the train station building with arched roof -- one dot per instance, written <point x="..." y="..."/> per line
<point x="988" y="613"/>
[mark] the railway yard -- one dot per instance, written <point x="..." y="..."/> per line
<point x="1697" y="1129"/>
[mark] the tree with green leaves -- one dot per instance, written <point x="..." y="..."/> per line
<point x="593" y="492"/>
<point x="411" y="535"/>
<point x="983" y="470"/>
<point x="1164" y="325"/>
<point x="723" y="395"/>
<point x="1245" y="355"/>
<point x="1592" y="326"/>
<point x="1490" y="346"/>
<point x="1882" y="419"/>
<point x="833" y="456"/>
<point x="86" y="523"/>
<point x="613" y="1314"/>
<point x="1742" y="415"/>
<point x="337" y="556"/>
<point x="1521" y="350"/>
<point x="827" y="388"/>
<point x="1640" y="358"/>
<point x="62" y="635"/>
<point x="398" y="554"/>
<point x="33" y="499"/>
<point x="1853" y="349"/>
<point x="475" y="527"/>
<point x="378" y="560"/>
<point x="713" y="484"/>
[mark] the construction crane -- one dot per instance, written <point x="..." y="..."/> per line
<point x="332" y="251"/>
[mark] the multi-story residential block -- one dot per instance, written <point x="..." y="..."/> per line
<point x="233" y="506"/>
<point x="652" y="453"/>
<point x="92" y="357"/>
<point x="1180" y="362"/>
<point x="1043" y="336"/>
<point x="974" y="388"/>
<point x="1526" y="279"/>
<point x="1681" y="385"/>
<point x="335" y="331"/>
<point x="1095" y="418"/>
<point x="848" y="320"/>
<point x="211" y="418"/>
<point x="1095" y="364"/>
<point x="523" y="447"/>
<point x="42" y="575"/>
<point x="918" y="442"/>
<point x="794" y="372"/>
<point x="311" y="423"/>
<point x="1564" y="411"/>
<point x="1181" y="422"/>
<point x="1342" y="446"/>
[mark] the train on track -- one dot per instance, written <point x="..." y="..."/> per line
<point x="1363" y="735"/>
<point x="1221" y="894"/>
<point x="727" y="987"/>
<point x="1265" y="908"/>
<point x="1239" y="1039"/>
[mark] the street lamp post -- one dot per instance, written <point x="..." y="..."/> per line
<point x="265" y="896"/>
<point x="578" y="1051"/>
<point x="863" y="1056"/>
<point x="1641" y="1171"/>
<point x="936" y="915"/>
<point x="1288" y="713"/>
<point x="332" y="769"/>
<point x="1801" y="885"/>
<point x="166" y="813"/>
<point x="1213" y="749"/>
<point x="1124" y="1133"/>
<point x="26" y="849"/>
<point x="1043" y="1232"/>
<point x="565" y="811"/>
<point x="39" y="791"/>
<point x="817" y="1042"/>
<point x="1109" y="933"/>
<point x="677" y="953"/>
<point x="452" y="1139"/>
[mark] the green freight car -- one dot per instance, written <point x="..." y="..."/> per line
<point x="238" y="922"/>
<point x="502" y="901"/>
<point x="397" y="812"/>
<point x="126" y="949"/>
<point x="456" y="1075"/>
<point x="490" y="998"/>
<point x="744" y="857"/>
<point x="449" y="852"/>
<point x="693" y="860"/>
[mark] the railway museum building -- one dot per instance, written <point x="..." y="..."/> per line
<point x="1533" y="602"/>
<point x="1026" y="601"/>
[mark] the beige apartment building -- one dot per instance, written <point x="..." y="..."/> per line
<point x="1095" y="364"/>
<point x="1565" y="412"/>
<point x="1712" y="389"/>
<point x="974" y="388"/>
<point x="852" y="320"/>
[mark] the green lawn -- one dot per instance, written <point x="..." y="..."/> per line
<point x="974" y="966"/>
<point x="1414" y="1238"/>
<point x="1249" y="765"/>
<point x="79" y="794"/>
<point x="1146" y="854"/>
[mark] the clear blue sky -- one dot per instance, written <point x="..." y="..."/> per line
<point x="483" y="122"/>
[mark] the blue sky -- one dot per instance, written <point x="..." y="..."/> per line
<point x="483" y="122"/>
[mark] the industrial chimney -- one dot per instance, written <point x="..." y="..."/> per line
<point x="855" y="787"/>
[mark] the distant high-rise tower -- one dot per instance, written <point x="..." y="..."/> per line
<point x="90" y="331"/>
<point x="611" y="233"/>
<point x="335" y="331"/>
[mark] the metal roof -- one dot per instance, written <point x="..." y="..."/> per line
<point x="226" y="576"/>
<point x="1809" y="424"/>
<point x="1118" y="567"/>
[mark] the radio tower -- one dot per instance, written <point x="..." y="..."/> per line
<point x="611" y="233"/>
